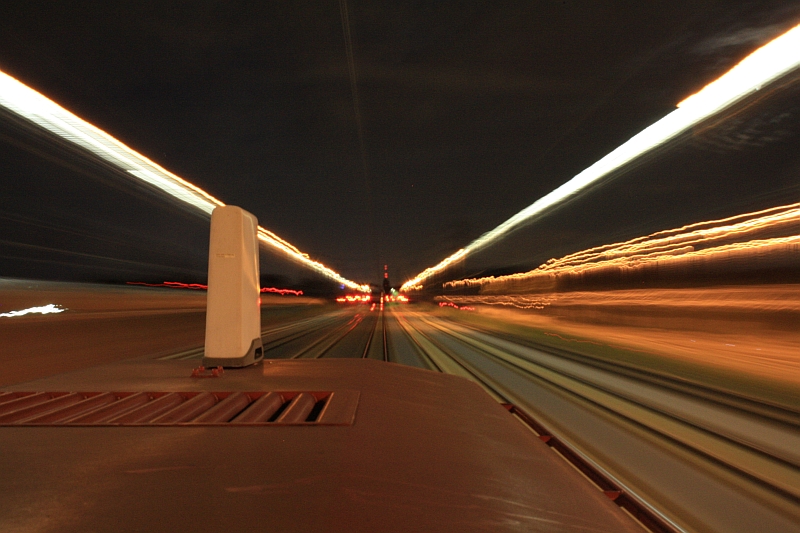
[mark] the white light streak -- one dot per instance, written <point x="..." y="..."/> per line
<point x="43" y="310"/>
<point x="37" y="108"/>
<point x="770" y="62"/>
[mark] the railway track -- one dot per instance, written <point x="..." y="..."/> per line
<point x="732" y="468"/>
<point x="271" y="337"/>
<point x="372" y="345"/>
<point x="361" y="334"/>
<point x="679" y="456"/>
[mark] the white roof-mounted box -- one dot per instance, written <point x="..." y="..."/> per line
<point x="233" y="313"/>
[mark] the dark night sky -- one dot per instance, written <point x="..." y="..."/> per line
<point x="470" y="111"/>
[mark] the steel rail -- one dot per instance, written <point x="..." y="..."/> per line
<point x="365" y="353"/>
<point x="616" y="491"/>
<point x="293" y="336"/>
<point x="771" y="471"/>
<point x="761" y="408"/>
<point x="330" y="339"/>
<point x="420" y="354"/>
<point x="300" y="329"/>
<point x="385" y="335"/>
<point x="777" y="494"/>
<point x="773" y="438"/>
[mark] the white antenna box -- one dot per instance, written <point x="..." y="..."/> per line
<point x="233" y="308"/>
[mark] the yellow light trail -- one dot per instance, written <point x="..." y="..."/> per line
<point x="711" y="239"/>
<point x="37" y="108"/>
<point x="770" y="62"/>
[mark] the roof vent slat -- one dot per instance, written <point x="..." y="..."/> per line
<point x="107" y="412"/>
<point x="149" y="410"/>
<point x="224" y="410"/>
<point x="261" y="410"/>
<point x="25" y="401"/>
<point x="298" y="410"/>
<point x="188" y="408"/>
<point x="70" y="411"/>
<point x="50" y="402"/>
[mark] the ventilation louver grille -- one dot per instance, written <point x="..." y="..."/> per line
<point x="177" y="408"/>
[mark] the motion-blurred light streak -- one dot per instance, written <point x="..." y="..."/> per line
<point x="761" y="232"/>
<point x="201" y="287"/>
<point x="354" y="299"/>
<point x="41" y="310"/>
<point x="704" y="302"/>
<point x="282" y="292"/>
<point x="454" y="306"/>
<point x="171" y="285"/>
<point x="37" y="108"/>
<point x="770" y="62"/>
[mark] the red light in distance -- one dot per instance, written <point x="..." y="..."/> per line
<point x="201" y="287"/>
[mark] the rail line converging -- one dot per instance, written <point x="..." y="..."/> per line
<point x="677" y="455"/>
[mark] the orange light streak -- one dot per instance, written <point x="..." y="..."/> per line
<point x="742" y="300"/>
<point x="282" y="292"/>
<point x="765" y="65"/>
<point x="415" y="283"/>
<point x="171" y="285"/>
<point x="454" y="306"/>
<point x="45" y="113"/>
<point x="704" y="239"/>
<point x="749" y="329"/>
<point x="355" y="299"/>
<point x="520" y="301"/>
<point x="200" y="286"/>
